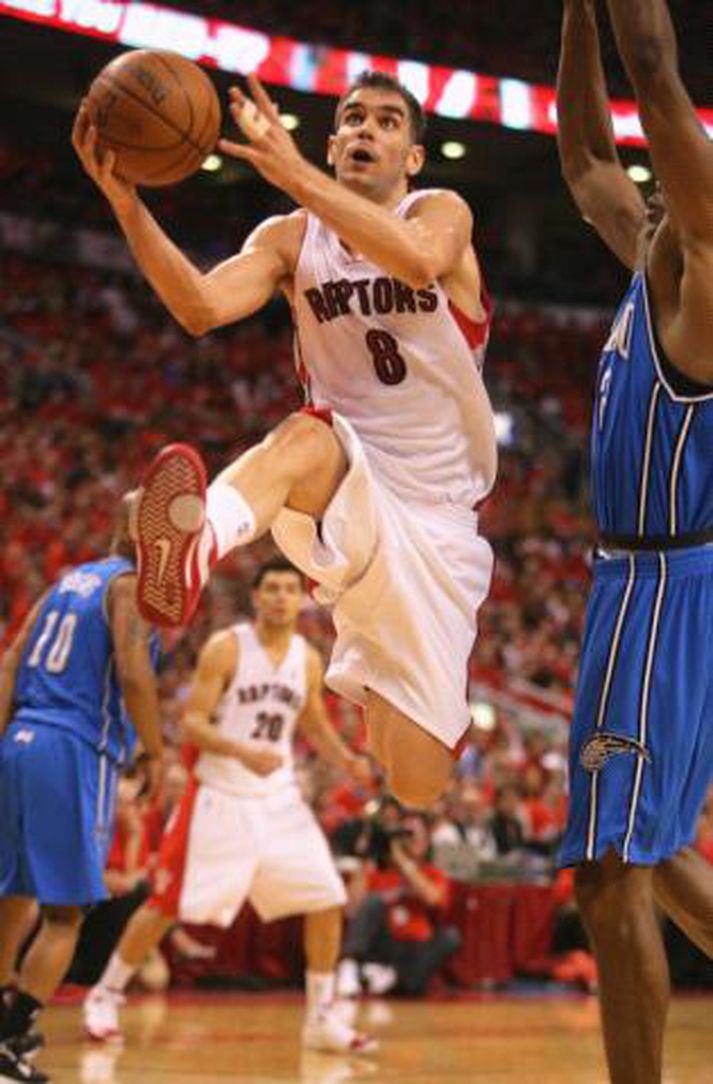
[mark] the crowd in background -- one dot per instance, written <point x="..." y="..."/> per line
<point x="517" y="37"/>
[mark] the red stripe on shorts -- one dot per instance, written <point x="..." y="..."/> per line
<point x="168" y="878"/>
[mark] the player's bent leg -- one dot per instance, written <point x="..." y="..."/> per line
<point x="323" y="1028"/>
<point x="616" y="902"/>
<point x="683" y="886"/>
<point x="181" y="529"/>
<point x="417" y="765"/>
<point x="299" y="465"/>
<point x="100" y="1011"/>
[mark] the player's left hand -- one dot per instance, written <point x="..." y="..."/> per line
<point x="271" y="149"/>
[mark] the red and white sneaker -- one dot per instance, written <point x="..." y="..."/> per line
<point x="100" y="1014"/>
<point x="325" y="1031"/>
<point x="174" y="545"/>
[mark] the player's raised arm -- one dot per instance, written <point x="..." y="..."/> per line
<point x="316" y="727"/>
<point x="11" y="661"/>
<point x="131" y="639"/>
<point x="590" y="162"/>
<point x="418" y="249"/>
<point x="681" y="152"/>
<point x="198" y="301"/>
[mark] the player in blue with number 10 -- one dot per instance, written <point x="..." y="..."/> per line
<point x="642" y="735"/>
<point x="75" y="683"/>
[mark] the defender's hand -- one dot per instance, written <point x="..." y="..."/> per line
<point x="100" y="168"/>
<point x="271" y="149"/>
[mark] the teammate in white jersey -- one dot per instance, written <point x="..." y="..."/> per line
<point x="372" y="491"/>
<point x="242" y="830"/>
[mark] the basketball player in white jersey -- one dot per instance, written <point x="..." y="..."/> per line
<point x="242" y="830"/>
<point x="372" y="491"/>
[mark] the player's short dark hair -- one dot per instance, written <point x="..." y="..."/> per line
<point x="375" y="80"/>
<point x="276" y="564"/>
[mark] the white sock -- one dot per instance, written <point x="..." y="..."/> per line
<point x="320" y="991"/>
<point x="230" y="516"/>
<point x="116" y="974"/>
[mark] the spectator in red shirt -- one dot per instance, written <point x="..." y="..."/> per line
<point x="399" y="923"/>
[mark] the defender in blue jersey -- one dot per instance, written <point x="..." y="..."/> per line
<point x="642" y="735"/>
<point x="74" y="685"/>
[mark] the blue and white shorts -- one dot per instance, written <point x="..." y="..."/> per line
<point x="641" y="747"/>
<point x="56" y="815"/>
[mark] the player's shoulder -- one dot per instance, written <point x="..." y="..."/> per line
<point x="279" y="231"/>
<point x="428" y="199"/>
<point x="220" y="651"/>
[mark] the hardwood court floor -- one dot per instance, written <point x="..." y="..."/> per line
<point x="254" y="1040"/>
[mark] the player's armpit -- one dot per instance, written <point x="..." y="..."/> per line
<point x="244" y="283"/>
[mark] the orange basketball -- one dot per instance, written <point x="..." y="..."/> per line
<point x="158" y="112"/>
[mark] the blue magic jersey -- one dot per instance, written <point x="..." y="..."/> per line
<point x="67" y="677"/>
<point x="652" y="434"/>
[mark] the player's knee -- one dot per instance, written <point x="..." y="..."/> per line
<point x="304" y="443"/>
<point x="62" y="916"/>
<point x="610" y="894"/>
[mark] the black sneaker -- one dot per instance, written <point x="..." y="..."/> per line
<point x="15" y="1070"/>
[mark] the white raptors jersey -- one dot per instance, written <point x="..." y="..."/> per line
<point x="402" y="365"/>
<point x="261" y="705"/>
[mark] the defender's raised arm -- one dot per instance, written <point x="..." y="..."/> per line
<point x="681" y="152"/>
<point x="590" y="163"/>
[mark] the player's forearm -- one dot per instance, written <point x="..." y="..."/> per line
<point x="584" y="125"/>
<point x="141" y="701"/>
<point x="367" y="228"/>
<point x="198" y="730"/>
<point x="646" y="42"/>
<point x="179" y="284"/>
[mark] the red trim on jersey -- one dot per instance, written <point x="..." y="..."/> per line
<point x="474" y="331"/>
<point x="323" y="413"/>
<point x="168" y="878"/>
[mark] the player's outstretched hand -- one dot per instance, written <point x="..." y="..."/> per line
<point x="261" y="761"/>
<point x="271" y="149"/>
<point x="100" y="168"/>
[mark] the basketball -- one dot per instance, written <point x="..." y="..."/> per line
<point x="158" y="112"/>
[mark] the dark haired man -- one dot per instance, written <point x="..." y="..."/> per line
<point x="642" y="735"/>
<point x="242" y="830"/>
<point x="371" y="490"/>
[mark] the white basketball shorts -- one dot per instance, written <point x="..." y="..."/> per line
<point x="405" y="581"/>
<point x="222" y="849"/>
